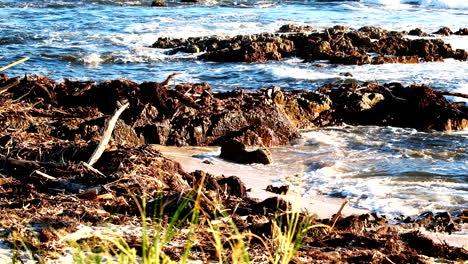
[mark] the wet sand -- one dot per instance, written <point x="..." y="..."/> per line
<point x="257" y="177"/>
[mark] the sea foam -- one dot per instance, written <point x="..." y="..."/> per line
<point x="440" y="4"/>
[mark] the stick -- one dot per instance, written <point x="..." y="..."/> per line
<point x="47" y="176"/>
<point x="89" y="167"/>
<point x="6" y="87"/>
<point x="106" y="135"/>
<point x="169" y="78"/>
<point x="29" y="164"/>
<point x="338" y="214"/>
<point x="453" y="94"/>
<point x="14" y="63"/>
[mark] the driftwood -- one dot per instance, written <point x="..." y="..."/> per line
<point x="453" y="94"/>
<point x="47" y="176"/>
<point x="106" y="135"/>
<point x="28" y="164"/>
<point x="11" y="85"/>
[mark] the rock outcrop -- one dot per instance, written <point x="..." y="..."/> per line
<point x="340" y="45"/>
<point x="192" y="114"/>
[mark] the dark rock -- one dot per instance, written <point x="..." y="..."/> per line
<point x="462" y="32"/>
<point x="235" y="151"/>
<point x="445" y="31"/>
<point x="278" y="190"/>
<point x="417" y="32"/>
<point x="425" y="246"/>
<point x="292" y="28"/>
<point x="338" y="44"/>
<point x="233" y="186"/>
<point x="271" y="205"/>
<point x="158" y="3"/>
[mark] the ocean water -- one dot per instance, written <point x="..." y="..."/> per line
<point x="386" y="169"/>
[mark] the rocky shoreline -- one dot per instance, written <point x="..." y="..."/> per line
<point x="338" y="45"/>
<point x="50" y="129"/>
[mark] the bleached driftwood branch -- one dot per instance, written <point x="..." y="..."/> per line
<point x="106" y="135"/>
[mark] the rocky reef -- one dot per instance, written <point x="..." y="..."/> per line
<point x="339" y="45"/>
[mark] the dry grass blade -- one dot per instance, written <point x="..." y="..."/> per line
<point x="110" y="124"/>
<point x="14" y="63"/>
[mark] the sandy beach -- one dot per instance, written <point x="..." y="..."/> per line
<point x="257" y="177"/>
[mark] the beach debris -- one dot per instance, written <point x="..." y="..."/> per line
<point x="234" y="150"/>
<point x="106" y="135"/>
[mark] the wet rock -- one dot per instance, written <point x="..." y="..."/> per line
<point x="278" y="189"/>
<point x="292" y="28"/>
<point x="444" y="31"/>
<point x="158" y="3"/>
<point x="235" y="151"/>
<point x="462" y="32"/>
<point x="417" y="32"/>
<point x="393" y="59"/>
<point x="339" y="44"/>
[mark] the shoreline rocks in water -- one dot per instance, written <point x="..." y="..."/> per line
<point x="49" y="130"/>
<point x="339" y="45"/>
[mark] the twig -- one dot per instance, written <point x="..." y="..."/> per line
<point x="389" y="260"/>
<point x="14" y="63"/>
<point x="338" y="214"/>
<point x="6" y="87"/>
<point x="110" y="124"/>
<point x="47" y="176"/>
<point x="169" y="78"/>
<point x="89" y="167"/>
